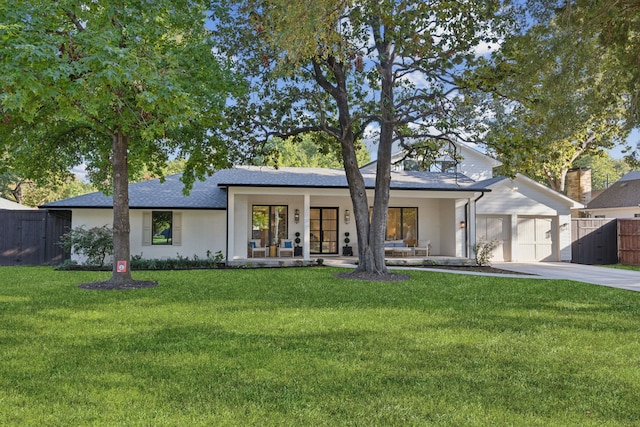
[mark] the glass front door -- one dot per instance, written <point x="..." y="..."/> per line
<point x="323" y="227"/>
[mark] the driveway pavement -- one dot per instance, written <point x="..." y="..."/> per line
<point x="612" y="277"/>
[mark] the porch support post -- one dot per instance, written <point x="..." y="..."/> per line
<point x="471" y="227"/>
<point x="514" y="238"/>
<point x="306" y="223"/>
<point x="231" y="225"/>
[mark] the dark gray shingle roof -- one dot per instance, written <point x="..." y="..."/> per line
<point x="154" y="194"/>
<point x="253" y="176"/>
<point x="622" y="193"/>
<point x="211" y="193"/>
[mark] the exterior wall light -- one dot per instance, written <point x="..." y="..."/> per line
<point x="296" y="216"/>
<point x="347" y="216"/>
<point x="463" y="224"/>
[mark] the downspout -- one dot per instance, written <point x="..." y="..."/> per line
<point x="467" y="232"/>
<point x="226" y="243"/>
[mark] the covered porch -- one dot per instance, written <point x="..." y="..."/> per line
<point x="314" y="224"/>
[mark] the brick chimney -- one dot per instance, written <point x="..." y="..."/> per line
<point x="579" y="184"/>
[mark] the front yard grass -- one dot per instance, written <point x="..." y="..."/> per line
<point x="300" y="347"/>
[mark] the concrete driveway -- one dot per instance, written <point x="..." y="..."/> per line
<point x="612" y="277"/>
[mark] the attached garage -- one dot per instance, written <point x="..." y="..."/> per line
<point x="529" y="221"/>
<point x="537" y="239"/>
<point x="495" y="228"/>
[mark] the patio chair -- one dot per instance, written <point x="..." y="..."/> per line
<point x="286" y="246"/>
<point x="422" y="246"/>
<point x="255" y="247"/>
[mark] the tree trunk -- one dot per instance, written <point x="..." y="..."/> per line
<point x="377" y="232"/>
<point x="357" y="189"/>
<point x="121" y="228"/>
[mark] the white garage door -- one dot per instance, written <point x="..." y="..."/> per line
<point x="536" y="239"/>
<point x="495" y="228"/>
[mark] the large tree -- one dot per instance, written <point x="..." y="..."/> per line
<point x="342" y="68"/>
<point x="117" y="85"/>
<point x="549" y="101"/>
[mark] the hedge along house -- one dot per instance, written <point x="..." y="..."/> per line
<point x="240" y="204"/>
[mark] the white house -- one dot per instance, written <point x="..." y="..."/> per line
<point x="234" y="206"/>
<point x="13" y="206"/>
<point x="620" y="200"/>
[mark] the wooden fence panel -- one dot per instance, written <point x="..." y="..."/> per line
<point x="31" y="237"/>
<point x="629" y="241"/>
<point x="594" y="241"/>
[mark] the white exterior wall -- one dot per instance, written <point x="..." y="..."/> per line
<point x="522" y="198"/>
<point x="627" y="212"/>
<point x="476" y="165"/>
<point x="202" y="231"/>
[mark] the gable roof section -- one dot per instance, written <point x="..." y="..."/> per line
<point x="520" y="179"/>
<point x="468" y="151"/>
<point x="622" y="193"/>
<point x="211" y="193"/>
<point x="154" y="194"/>
<point x="254" y="176"/>
<point x="13" y="206"/>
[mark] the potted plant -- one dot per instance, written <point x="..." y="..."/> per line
<point x="297" y="251"/>
<point x="346" y="249"/>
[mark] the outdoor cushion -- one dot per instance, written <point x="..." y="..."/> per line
<point x="253" y="244"/>
<point x="288" y="245"/>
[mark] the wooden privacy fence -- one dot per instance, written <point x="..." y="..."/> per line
<point x="31" y="237"/>
<point x="629" y="241"/>
<point x="605" y="241"/>
<point x="594" y="241"/>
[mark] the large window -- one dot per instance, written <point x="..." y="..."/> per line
<point x="162" y="227"/>
<point x="402" y="224"/>
<point x="269" y="224"/>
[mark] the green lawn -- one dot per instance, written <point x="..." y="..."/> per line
<point x="300" y="347"/>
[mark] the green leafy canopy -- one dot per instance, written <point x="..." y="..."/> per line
<point x="73" y="74"/>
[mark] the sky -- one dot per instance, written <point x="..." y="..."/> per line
<point x="632" y="140"/>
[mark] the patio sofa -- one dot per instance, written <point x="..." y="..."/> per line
<point x="396" y="248"/>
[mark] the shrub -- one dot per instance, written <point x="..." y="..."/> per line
<point x="95" y="243"/>
<point x="178" y="263"/>
<point x="483" y="251"/>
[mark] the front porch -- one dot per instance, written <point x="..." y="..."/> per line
<point x="319" y="222"/>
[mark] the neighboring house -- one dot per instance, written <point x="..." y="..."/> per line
<point x="620" y="200"/>
<point x="13" y="206"/>
<point x="237" y="205"/>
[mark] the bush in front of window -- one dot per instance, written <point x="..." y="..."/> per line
<point x="94" y="243"/>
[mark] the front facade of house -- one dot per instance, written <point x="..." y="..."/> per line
<point x="234" y="206"/>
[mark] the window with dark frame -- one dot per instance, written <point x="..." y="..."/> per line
<point x="162" y="227"/>
<point x="402" y="224"/>
<point x="269" y="223"/>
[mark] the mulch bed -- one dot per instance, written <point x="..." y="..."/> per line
<point x="373" y="277"/>
<point x="475" y="268"/>
<point x="397" y="277"/>
<point x="108" y="285"/>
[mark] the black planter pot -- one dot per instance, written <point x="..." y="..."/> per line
<point x="347" y="251"/>
<point x="297" y="251"/>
